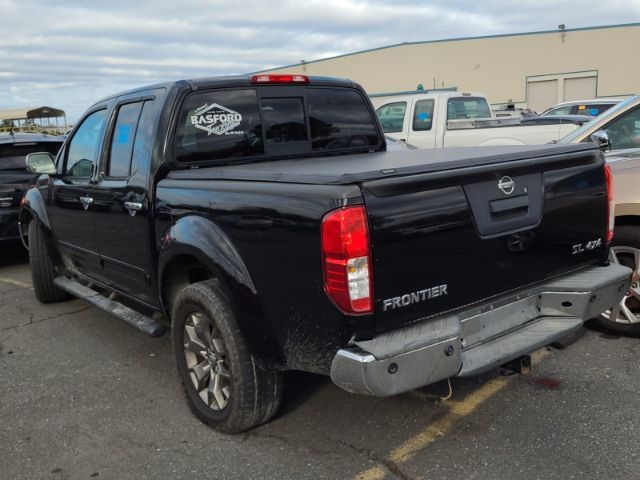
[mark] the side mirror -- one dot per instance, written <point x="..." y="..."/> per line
<point x="40" y="162"/>
<point x="601" y="139"/>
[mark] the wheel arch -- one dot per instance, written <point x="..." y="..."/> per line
<point x="198" y="245"/>
<point x="195" y="249"/>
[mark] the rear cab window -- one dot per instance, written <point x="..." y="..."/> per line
<point x="467" y="108"/>
<point x="12" y="155"/>
<point x="273" y="122"/>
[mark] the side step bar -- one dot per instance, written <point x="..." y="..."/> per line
<point x="135" y="319"/>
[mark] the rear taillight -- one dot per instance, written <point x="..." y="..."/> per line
<point x="346" y="255"/>
<point x="280" y="78"/>
<point x="611" y="217"/>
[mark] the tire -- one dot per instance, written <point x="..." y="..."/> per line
<point x="625" y="250"/>
<point x="43" y="269"/>
<point x="236" y="394"/>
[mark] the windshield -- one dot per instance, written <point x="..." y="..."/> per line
<point x="578" y="135"/>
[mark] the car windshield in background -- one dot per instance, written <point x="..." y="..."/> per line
<point x="467" y="108"/>
<point x="567" y="110"/>
<point x="12" y="156"/>
<point x="230" y="124"/>
<point x="391" y="116"/>
<point x="593" y="110"/>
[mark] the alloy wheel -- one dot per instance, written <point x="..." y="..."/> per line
<point x="628" y="310"/>
<point x="205" y="355"/>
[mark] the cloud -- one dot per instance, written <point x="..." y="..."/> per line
<point x="70" y="53"/>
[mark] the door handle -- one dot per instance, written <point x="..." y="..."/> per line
<point x="133" y="207"/>
<point x="86" y="201"/>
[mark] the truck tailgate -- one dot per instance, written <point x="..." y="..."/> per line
<point x="445" y="240"/>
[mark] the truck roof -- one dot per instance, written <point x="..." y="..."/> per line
<point x="227" y="82"/>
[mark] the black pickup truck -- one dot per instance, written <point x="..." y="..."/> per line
<point x="263" y="220"/>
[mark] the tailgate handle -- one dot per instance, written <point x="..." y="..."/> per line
<point x="507" y="204"/>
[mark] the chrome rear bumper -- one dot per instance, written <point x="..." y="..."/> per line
<point x="473" y="341"/>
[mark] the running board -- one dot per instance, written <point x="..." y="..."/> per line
<point x="525" y="340"/>
<point x="135" y="319"/>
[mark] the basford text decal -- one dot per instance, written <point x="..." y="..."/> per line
<point x="216" y="120"/>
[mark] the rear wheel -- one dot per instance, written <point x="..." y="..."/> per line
<point x="225" y="387"/>
<point x="43" y="269"/>
<point x="624" y="318"/>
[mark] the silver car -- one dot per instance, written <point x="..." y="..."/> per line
<point x="617" y="131"/>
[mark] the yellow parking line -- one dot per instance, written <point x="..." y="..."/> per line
<point x="442" y="426"/>
<point x="374" y="473"/>
<point x="16" y="283"/>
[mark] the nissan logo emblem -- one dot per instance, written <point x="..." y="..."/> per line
<point x="506" y="184"/>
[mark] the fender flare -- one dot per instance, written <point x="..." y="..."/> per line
<point x="33" y="204"/>
<point x="199" y="237"/>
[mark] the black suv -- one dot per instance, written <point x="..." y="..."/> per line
<point x="14" y="177"/>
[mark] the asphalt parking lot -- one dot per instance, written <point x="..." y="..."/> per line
<point x="86" y="396"/>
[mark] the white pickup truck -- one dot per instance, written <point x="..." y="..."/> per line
<point x="438" y="119"/>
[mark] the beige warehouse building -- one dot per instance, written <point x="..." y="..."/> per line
<point x="536" y="69"/>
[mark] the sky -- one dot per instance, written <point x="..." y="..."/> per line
<point x="69" y="54"/>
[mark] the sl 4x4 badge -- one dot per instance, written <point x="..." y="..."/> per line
<point x="585" y="247"/>
<point x="216" y="120"/>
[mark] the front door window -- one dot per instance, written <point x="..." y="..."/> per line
<point x="84" y="147"/>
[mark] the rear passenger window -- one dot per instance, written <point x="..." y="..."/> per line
<point x="222" y="124"/>
<point x="122" y="140"/>
<point x="391" y="116"/>
<point x="423" y="115"/>
<point x="340" y="119"/>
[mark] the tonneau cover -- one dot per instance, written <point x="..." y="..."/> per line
<point x="346" y="169"/>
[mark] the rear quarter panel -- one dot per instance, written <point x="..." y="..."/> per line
<point x="275" y="228"/>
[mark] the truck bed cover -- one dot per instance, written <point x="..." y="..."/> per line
<point x="347" y="169"/>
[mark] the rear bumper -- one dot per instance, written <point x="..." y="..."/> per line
<point x="473" y="341"/>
